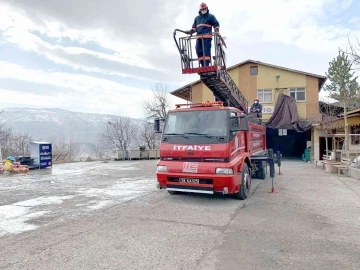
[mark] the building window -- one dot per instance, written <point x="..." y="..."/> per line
<point x="282" y="132"/>
<point x="254" y="70"/>
<point x="355" y="139"/>
<point x="298" y="93"/>
<point x="264" y="95"/>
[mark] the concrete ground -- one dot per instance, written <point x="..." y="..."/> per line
<point x="111" y="216"/>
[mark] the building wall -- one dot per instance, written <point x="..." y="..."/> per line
<point x="197" y="93"/>
<point x="246" y="83"/>
<point x="312" y="97"/>
<point x="266" y="79"/>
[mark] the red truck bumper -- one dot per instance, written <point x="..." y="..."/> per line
<point x="199" y="183"/>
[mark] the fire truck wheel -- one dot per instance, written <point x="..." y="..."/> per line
<point x="245" y="184"/>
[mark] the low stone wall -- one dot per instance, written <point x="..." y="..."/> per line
<point x="354" y="173"/>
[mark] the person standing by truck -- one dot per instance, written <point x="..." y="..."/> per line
<point x="203" y="24"/>
<point x="257" y="108"/>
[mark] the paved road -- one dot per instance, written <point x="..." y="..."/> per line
<point x="110" y="216"/>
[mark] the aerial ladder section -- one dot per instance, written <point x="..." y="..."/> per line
<point x="214" y="76"/>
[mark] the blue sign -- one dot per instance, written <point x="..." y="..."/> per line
<point x="45" y="154"/>
<point x="41" y="152"/>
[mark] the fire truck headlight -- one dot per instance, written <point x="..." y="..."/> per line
<point x="161" y="168"/>
<point x="224" y="171"/>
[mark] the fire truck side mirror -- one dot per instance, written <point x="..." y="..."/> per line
<point x="244" y="124"/>
<point x="157" y="125"/>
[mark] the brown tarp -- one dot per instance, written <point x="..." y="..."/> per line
<point x="285" y="115"/>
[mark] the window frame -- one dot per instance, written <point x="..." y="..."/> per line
<point x="234" y="120"/>
<point x="354" y="138"/>
<point x="254" y="73"/>
<point x="296" y="91"/>
<point x="233" y="134"/>
<point x="269" y="91"/>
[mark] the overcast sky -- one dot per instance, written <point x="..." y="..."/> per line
<point x="103" y="56"/>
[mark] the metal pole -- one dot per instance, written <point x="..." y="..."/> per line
<point x="203" y="50"/>
<point x="279" y="160"/>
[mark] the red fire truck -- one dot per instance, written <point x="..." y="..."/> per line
<point x="211" y="147"/>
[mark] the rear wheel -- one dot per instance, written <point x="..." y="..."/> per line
<point x="245" y="183"/>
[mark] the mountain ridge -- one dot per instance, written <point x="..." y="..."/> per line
<point x="44" y="123"/>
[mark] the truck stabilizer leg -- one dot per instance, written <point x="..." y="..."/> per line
<point x="278" y="159"/>
<point x="272" y="169"/>
<point x="272" y="186"/>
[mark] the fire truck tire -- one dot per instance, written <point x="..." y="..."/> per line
<point x="245" y="184"/>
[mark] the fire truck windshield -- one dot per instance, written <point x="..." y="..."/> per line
<point x="196" y="123"/>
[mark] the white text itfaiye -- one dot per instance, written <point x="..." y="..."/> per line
<point x="193" y="147"/>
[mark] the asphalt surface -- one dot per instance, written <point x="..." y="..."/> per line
<point x="111" y="216"/>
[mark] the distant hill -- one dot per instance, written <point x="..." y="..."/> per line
<point x="42" y="124"/>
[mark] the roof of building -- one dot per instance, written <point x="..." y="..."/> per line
<point x="332" y="118"/>
<point x="353" y="112"/>
<point x="184" y="92"/>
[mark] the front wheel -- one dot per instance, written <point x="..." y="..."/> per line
<point x="245" y="183"/>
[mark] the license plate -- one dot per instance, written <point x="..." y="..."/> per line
<point x="189" y="180"/>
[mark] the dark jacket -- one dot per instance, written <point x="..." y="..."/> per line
<point x="257" y="106"/>
<point x="203" y="24"/>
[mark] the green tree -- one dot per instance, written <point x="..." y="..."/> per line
<point x="343" y="85"/>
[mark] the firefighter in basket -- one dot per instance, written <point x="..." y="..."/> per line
<point x="202" y="25"/>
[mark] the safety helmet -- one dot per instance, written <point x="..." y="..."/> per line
<point x="203" y="5"/>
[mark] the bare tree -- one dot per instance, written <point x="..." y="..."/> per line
<point x="15" y="144"/>
<point x="59" y="148"/>
<point x="64" y="148"/>
<point x="147" y="136"/>
<point x="21" y="143"/>
<point x="98" y="150"/>
<point x="159" y="104"/>
<point x="5" y="134"/>
<point x="353" y="52"/>
<point x="73" y="147"/>
<point x="120" y="132"/>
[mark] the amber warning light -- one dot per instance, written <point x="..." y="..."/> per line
<point x="202" y="104"/>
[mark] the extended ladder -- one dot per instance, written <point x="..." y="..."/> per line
<point x="224" y="89"/>
<point x="214" y="76"/>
